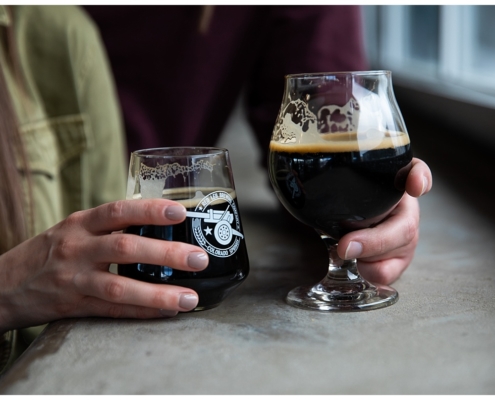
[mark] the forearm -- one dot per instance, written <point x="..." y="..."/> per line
<point x="7" y="304"/>
<point x="15" y="279"/>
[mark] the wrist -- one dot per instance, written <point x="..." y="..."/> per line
<point x="7" y="306"/>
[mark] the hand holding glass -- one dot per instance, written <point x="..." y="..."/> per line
<point x="201" y="179"/>
<point x="339" y="158"/>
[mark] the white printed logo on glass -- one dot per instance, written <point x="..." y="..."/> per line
<point x="296" y="118"/>
<point x="152" y="179"/>
<point x="216" y="224"/>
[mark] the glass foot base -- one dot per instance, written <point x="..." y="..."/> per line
<point x="313" y="298"/>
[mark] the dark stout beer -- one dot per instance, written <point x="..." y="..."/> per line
<point x="339" y="188"/>
<point x="213" y="223"/>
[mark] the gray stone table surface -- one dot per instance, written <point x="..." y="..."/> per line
<point x="438" y="339"/>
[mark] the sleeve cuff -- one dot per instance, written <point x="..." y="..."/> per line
<point x="7" y="341"/>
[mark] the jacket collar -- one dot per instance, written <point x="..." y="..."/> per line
<point x="4" y="16"/>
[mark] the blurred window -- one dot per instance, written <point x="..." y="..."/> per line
<point x="448" y="48"/>
<point x="423" y="35"/>
<point x="483" y="44"/>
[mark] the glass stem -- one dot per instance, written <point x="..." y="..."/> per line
<point x="339" y="270"/>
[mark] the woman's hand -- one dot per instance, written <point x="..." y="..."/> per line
<point x="386" y="250"/>
<point x="63" y="272"/>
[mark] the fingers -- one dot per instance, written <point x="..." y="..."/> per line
<point x="398" y="230"/>
<point x="419" y="181"/>
<point x="386" y="249"/>
<point x="384" y="271"/>
<point x="101" y="308"/>
<point x="122" y="248"/>
<point x="121" y="214"/>
<point x="121" y="291"/>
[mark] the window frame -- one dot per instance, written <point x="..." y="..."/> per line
<point x="449" y="92"/>
<point x="452" y="75"/>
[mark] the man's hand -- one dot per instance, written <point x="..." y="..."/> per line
<point x="386" y="250"/>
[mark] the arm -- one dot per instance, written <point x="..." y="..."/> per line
<point x="63" y="272"/>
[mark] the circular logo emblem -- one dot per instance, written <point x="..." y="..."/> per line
<point x="216" y="225"/>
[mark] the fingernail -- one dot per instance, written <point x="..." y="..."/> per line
<point x="425" y="185"/>
<point x="354" y="250"/>
<point x="197" y="260"/>
<point x="175" y="213"/>
<point x="188" y="301"/>
<point x="167" y="313"/>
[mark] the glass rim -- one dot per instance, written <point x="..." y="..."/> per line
<point x="340" y="73"/>
<point x="189" y="151"/>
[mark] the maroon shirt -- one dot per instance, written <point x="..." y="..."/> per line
<point x="177" y="86"/>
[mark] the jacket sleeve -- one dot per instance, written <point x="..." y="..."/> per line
<point x="104" y="175"/>
<point x="6" y="349"/>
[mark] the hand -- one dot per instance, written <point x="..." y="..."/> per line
<point x="386" y="250"/>
<point x="63" y="272"/>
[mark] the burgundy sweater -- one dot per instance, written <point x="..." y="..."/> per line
<point x="177" y="85"/>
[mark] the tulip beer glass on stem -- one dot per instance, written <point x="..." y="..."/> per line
<point x="338" y="162"/>
<point x="201" y="179"/>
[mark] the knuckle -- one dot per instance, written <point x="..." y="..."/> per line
<point x="61" y="280"/>
<point x="148" y="210"/>
<point x="74" y="219"/>
<point x="411" y="229"/>
<point x="414" y="241"/>
<point x="115" y="210"/>
<point x="60" y="238"/>
<point x="67" y="308"/>
<point x="157" y="300"/>
<point x="378" y="272"/>
<point x="64" y="309"/>
<point x="381" y="245"/>
<point x="142" y="313"/>
<point x="114" y="291"/>
<point x="125" y="245"/>
<point x="115" y="311"/>
<point x="64" y="249"/>
<point x="381" y="275"/>
<point x="167" y="255"/>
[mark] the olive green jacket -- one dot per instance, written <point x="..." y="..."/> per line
<point x="68" y="115"/>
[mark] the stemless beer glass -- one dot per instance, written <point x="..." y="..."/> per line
<point x="201" y="179"/>
<point x="338" y="161"/>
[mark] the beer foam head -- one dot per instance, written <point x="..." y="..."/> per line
<point x="189" y="197"/>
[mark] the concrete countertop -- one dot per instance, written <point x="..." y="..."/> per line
<point x="438" y="339"/>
